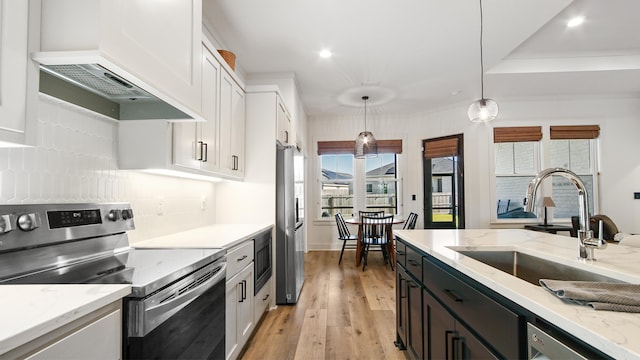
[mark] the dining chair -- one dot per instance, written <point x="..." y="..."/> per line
<point x="410" y="223"/>
<point x="376" y="231"/>
<point x="370" y="213"/>
<point x="344" y="235"/>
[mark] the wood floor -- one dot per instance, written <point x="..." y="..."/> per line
<point x="343" y="313"/>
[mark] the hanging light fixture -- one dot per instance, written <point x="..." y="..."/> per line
<point x="366" y="144"/>
<point x="482" y="110"/>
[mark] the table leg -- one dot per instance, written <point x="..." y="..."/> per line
<point x="392" y="247"/>
<point x="359" y="245"/>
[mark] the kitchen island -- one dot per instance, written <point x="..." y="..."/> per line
<point x="613" y="333"/>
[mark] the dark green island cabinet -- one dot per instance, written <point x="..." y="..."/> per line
<point x="444" y="314"/>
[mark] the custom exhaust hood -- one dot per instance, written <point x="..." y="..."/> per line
<point x="103" y="87"/>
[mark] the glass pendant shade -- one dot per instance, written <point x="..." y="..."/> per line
<point x="483" y="110"/>
<point x="366" y="146"/>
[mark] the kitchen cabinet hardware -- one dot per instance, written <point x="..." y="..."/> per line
<point x="200" y="146"/>
<point x="242" y="258"/>
<point x="206" y="152"/>
<point x="265" y="298"/>
<point x="452" y="295"/>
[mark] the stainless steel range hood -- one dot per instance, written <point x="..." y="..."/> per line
<point x="96" y="88"/>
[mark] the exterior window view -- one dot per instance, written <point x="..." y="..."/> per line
<point x="517" y="162"/>
<point x="381" y="184"/>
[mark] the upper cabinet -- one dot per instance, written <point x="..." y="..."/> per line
<point x="154" y="44"/>
<point x="284" y="136"/>
<point x="232" y="121"/>
<point x="19" y="36"/>
<point x="196" y="144"/>
<point x="211" y="148"/>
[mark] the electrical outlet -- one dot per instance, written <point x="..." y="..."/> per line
<point x="203" y="203"/>
<point x="636" y="195"/>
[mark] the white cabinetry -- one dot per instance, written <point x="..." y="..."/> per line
<point x="232" y="120"/>
<point x="262" y="301"/>
<point x="19" y="36"/>
<point x="266" y="102"/>
<point x="157" y="43"/>
<point x="195" y="144"/>
<point x="284" y="136"/>
<point x="97" y="335"/>
<point x="239" y="298"/>
<point x="211" y="148"/>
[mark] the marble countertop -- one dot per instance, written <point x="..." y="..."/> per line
<point x="222" y="236"/>
<point x="38" y="309"/>
<point x="614" y="333"/>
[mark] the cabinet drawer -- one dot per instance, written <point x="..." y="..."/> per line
<point x="414" y="263"/>
<point x="401" y="253"/>
<point x="497" y="324"/>
<point x="238" y="257"/>
<point x="262" y="301"/>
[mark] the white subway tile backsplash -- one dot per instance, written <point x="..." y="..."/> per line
<point x="76" y="160"/>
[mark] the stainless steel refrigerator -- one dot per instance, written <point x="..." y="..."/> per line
<point x="290" y="244"/>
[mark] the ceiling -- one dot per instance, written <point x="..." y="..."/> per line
<point x="417" y="55"/>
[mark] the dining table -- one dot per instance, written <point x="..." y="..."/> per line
<point x="390" y="244"/>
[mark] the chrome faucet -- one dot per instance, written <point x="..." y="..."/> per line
<point x="586" y="240"/>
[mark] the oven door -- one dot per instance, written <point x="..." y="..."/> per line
<point x="183" y="321"/>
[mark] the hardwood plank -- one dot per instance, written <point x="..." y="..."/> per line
<point x="335" y="317"/>
<point x="340" y="343"/>
<point x="313" y="337"/>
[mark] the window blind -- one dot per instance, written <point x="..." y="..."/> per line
<point x="441" y="148"/>
<point x="517" y="134"/>
<point x="348" y="146"/>
<point x="575" y="132"/>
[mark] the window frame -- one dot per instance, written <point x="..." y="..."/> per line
<point x="358" y="182"/>
<point x="543" y="156"/>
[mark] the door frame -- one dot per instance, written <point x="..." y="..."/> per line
<point x="458" y="187"/>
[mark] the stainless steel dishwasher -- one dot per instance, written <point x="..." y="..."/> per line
<point x="542" y="345"/>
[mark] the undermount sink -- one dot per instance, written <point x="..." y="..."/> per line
<point x="532" y="268"/>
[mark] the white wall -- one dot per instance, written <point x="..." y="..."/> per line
<point x="76" y="160"/>
<point x="619" y="120"/>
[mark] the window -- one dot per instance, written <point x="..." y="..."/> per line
<point x="381" y="183"/>
<point x="517" y="159"/>
<point x="515" y="163"/>
<point x="347" y="185"/>
<point x="336" y="184"/>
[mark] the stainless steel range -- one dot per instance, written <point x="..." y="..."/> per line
<point x="177" y="305"/>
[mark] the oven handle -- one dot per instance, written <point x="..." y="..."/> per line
<point x="183" y="300"/>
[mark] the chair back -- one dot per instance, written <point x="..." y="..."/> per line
<point x="343" y="230"/>
<point x="370" y="214"/>
<point x="375" y="229"/>
<point x="503" y="206"/>
<point x="410" y="223"/>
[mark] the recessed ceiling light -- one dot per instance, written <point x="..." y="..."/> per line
<point x="325" y="54"/>
<point x="578" y="20"/>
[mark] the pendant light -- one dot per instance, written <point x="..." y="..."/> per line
<point x="482" y="110"/>
<point x="366" y="144"/>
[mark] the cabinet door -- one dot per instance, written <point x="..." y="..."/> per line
<point x="210" y="105"/>
<point x="232" y="118"/>
<point x="18" y="74"/>
<point x="239" y="312"/>
<point x="467" y="346"/>
<point x="415" y="326"/>
<point x="234" y="294"/>
<point x="402" y="319"/>
<point x="159" y="41"/>
<point x="438" y="329"/>
<point x="245" y="305"/>
<point x="185" y="145"/>
<point x="283" y="124"/>
<point x="237" y="128"/>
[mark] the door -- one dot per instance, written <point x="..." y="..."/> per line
<point x="443" y="164"/>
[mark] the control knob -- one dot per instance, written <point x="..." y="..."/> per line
<point x="6" y="223"/>
<point x="28" y="222"/>
<point x="113" y="215"/>
<point x="127" y="214"/>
